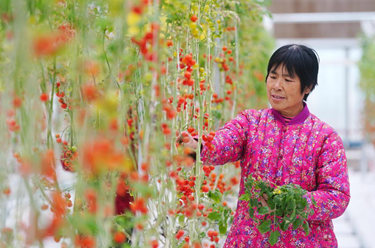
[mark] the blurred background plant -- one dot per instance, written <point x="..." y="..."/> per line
<point x="367" y="75"/>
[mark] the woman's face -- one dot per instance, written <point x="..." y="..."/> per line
<point x="284" y="91"/>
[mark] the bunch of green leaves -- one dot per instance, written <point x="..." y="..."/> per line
<point x="285" y="206"/>
<point x="367" y="73"/>
<point x="222" y="215"/>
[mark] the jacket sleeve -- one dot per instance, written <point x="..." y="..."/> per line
<point x="332" y="194"/>
<point x="229" y="142"/>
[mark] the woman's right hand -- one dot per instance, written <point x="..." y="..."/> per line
<point x="187" y="140"/>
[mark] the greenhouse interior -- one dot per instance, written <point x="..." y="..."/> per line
<point x="187" y="123"/>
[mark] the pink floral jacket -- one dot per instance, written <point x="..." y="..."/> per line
<point x="306" y="151"/>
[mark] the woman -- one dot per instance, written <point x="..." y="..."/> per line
<point x="286" y="144"/>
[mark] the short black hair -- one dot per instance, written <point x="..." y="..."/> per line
<point x="298" y="59"/>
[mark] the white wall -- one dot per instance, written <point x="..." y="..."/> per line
<point x="329" y="101"/>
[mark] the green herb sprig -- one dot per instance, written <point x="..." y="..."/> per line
<point x="285" y="206"/>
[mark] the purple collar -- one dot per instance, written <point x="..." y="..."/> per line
<point x="298" y="119"/>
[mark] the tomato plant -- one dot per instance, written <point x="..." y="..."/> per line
<point x="93" y="95"/>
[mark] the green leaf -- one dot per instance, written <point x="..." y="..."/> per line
<point x="253" y="202"/>
<point x="103" y="23"/>
<point x="85" y="223"/>
<point x="264" y="187"/>
<point x="304" y="215"/>
<point x="290" y="203"/>
<point x="251" y="212"/>
<point x="271" y="203"/>
<point x="277" y="200"/>
<point x="223" y="227"/>
<point x="265" y="226"/>
<point x="274" y="237"/>
<point x="297" y="223"/>
<point x="181" y="219"/>
<point x="216" y="114"/>
<point x="216" y="196"/>
<point x="292" y="217"/>
<point x="125" y="221"/>
<point x="279" y="212"/>
<point x="284" y="225"/>
<point x="214" y="216"/>
<point x="244" y="197"/>
<point x="313" y="201"/>
<point x="301" y="203"/>
<point x="306" y="227"/>
<point x="226" y="211"/>
<point x="263" y="210"/>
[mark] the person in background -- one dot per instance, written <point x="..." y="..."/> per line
<point x="285" y="144"/>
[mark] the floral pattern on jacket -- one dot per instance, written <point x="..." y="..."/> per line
<point x="306" y="151"/>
